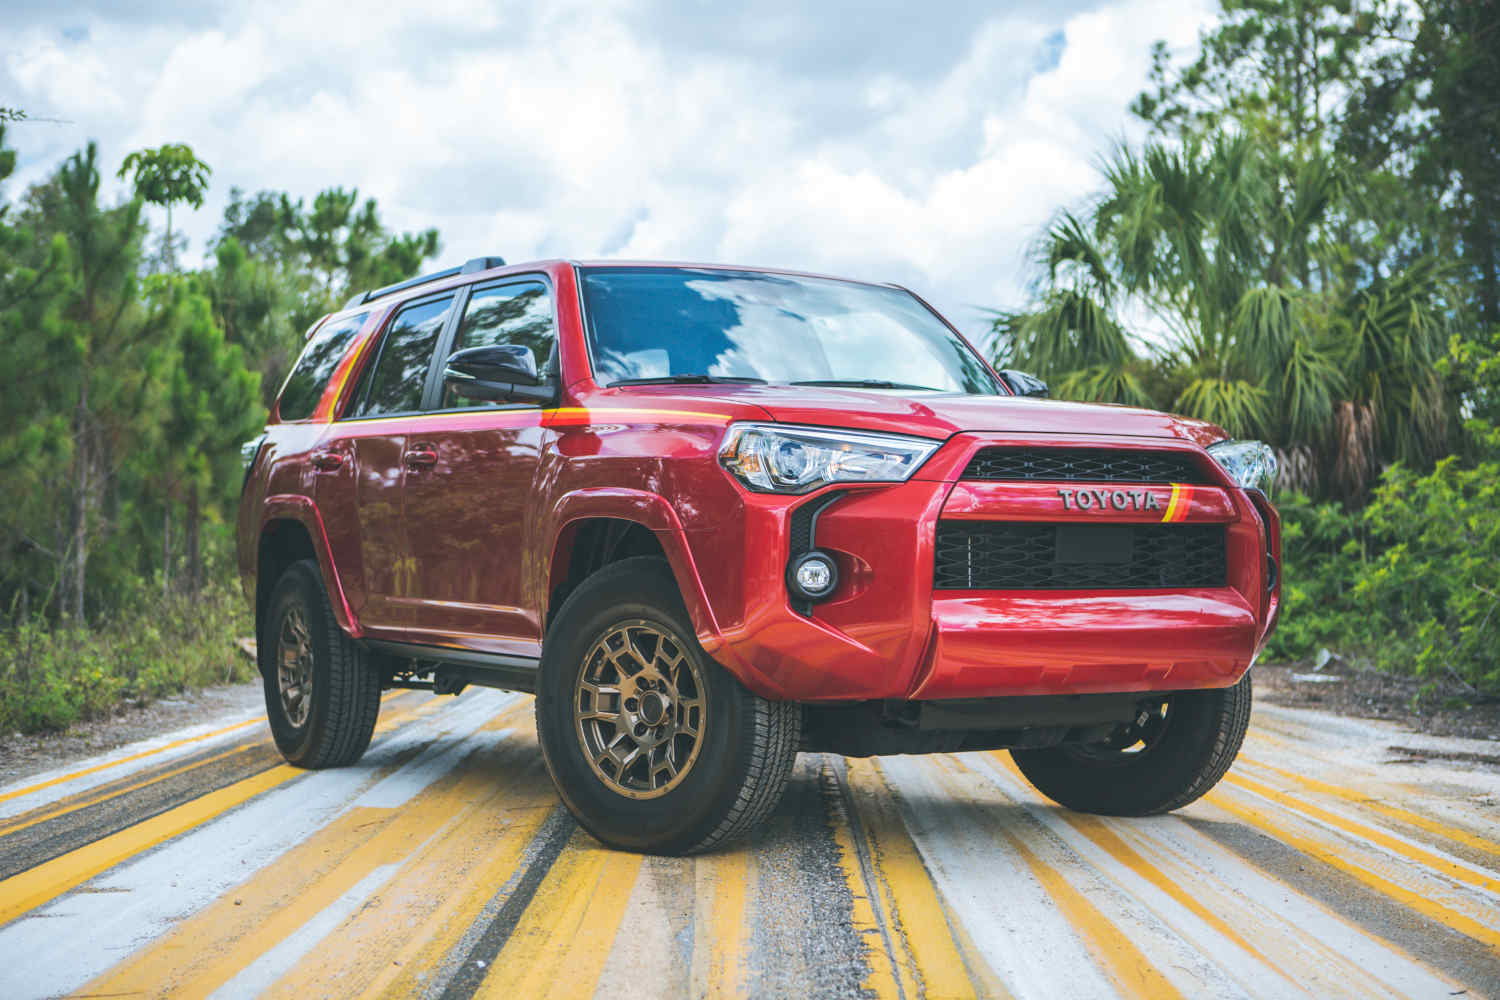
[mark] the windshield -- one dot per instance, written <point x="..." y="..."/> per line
<point x="686" y="324"/>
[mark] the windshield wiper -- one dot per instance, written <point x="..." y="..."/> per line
<point x="690" y="380"/>
<point x="865" y="383"/>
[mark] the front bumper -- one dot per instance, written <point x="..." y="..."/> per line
<point x="886" y="633"/>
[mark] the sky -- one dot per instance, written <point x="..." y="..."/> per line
<point x="887" y="140"/>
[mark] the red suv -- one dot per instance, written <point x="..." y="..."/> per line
<point x="712" y="516"/>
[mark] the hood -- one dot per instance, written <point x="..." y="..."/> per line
<point x="942" y="414"/>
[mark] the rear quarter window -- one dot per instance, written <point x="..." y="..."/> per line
<point x="310" y="375"/>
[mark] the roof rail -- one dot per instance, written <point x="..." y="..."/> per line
<point x="470" y="266"/>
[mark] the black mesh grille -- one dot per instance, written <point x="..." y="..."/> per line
<point x="1008" y="555"/>
<point x="1095" y="465"/>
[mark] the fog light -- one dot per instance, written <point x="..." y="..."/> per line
<point x="812" y="576"/>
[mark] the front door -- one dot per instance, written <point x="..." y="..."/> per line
<point x="468" y="505"/>
<point x="375" y="437"/>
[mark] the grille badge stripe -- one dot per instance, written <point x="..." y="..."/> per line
<point x="1180" y="504"/>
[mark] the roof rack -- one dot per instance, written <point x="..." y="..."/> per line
<point x="470" y="266"/>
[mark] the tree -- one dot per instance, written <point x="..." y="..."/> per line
<point x="165" y="176"/>
<point x="97" y="361"/>
<point x="210" y="405"/>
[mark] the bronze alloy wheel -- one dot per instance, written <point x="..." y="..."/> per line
<point x="294" y="666"/>
<point x="640" y="709"/>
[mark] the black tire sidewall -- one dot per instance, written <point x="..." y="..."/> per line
<point x="1193" y="752"/>
<point x="297" y="588"/>
<point x="674" y="822"/>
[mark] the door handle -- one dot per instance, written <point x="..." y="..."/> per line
<point x="327" y="461"/>
<point x="419" y="457"/>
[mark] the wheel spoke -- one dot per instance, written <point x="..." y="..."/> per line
<point x="639" y="708"/>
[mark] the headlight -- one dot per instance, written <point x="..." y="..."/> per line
<point x="1249" y="463"/>
<point x="777" y="458"/>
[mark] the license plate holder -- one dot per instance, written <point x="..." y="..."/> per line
<point x="1106" y="544"/>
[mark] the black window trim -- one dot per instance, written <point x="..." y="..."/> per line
<point x="433" y="397"/>
<point x="378" y="349"/>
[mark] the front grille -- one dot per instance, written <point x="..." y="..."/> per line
<point x="1011" y="555"/>
<point x="1094" y="465"/>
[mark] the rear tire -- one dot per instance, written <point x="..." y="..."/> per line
<point x="652" y="745"/>
<point x="1160" y="763"/>
<point x="322" y="695"/>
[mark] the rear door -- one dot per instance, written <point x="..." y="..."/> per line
<point x="468" y="506"/>
<point x="360" y="492"/>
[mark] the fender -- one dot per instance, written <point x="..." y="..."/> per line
<point x="295" y="507"/>
<point x="651" y="511"/>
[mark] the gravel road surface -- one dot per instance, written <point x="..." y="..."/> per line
<point x="1340" y="858"/>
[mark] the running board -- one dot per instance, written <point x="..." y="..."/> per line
<point x="464" y="666"/>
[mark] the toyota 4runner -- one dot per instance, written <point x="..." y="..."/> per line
<point x="713" y="516"/>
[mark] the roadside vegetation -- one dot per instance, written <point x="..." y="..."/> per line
<point x="1305" y="249"/>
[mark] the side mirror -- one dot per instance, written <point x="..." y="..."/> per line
<point x="497" y="373"/>
<point x="1023" y="384"/>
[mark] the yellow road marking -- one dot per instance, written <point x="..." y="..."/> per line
<point x="1110" y="842"/>
<point x="936" y="951"/>
<point x="721" y="888"/>
<point x="127" y="760"/>
<point x="426" y="939"/>
<point x="208" y="949"/>
<point x="1128" y="966"/>
<point x="24" y="820"/>
<point x="1434" y="911"/>
<point x="1368" y="833"/>
<point x="890" y="975"/>
<point x="39" y="885"/>
<point x="564" y="938"/>
<point x="1364" y="801"/>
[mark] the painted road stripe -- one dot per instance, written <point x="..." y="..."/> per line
<point x="1256" y="817"/>
<point x="564" y="937"/>
<point x="944" y="961"/>
<point x="1446" y="865"/>
<point x="255" y="980"/>
<point x="514" y="899"/>
<point x="130" y="758"/>
<point x="230" y="935"/>
<point x="139" y="903"/>
<point x="721" y="884"/>
<point x="1314" y="945"/>
<point x="1365" y="801"/>
<point x="988" y="888"/>
<point x="36" y="886"/>
<point x="892" y="970"/>
<point x="139" y="754"/>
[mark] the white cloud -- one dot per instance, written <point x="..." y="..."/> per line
<point x="923" y="150"/>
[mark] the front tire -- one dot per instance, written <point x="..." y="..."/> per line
<point x="322" y="695"/>
<point x="1169" y="757"/>
<point x="652" y="745"/>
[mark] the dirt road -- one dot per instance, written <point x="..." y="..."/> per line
<point x="197" y="864"/>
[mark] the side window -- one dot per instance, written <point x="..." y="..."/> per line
<point x="507" y="314"/>
<point x="310" y="375"/>
<point x="399" y="375"/>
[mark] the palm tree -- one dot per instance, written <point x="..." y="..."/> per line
<point x="1228" y="248"/>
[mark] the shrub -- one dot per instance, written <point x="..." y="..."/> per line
<point x="149" y="648"/>
<point x="1412" y="583"/>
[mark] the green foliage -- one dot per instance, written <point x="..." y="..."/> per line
<point x="147" y="648"/>
<point x="167" y="175"/>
